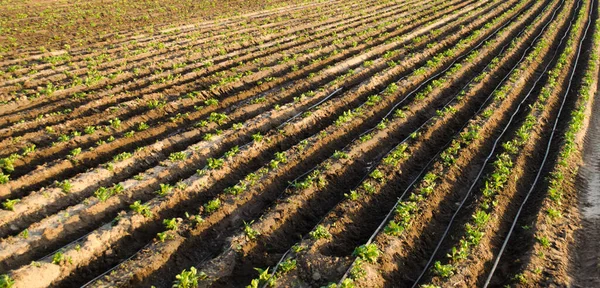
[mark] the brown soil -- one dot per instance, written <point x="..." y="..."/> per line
<point x="274" y="121"/>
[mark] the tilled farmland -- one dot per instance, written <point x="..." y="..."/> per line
<point x="340" y="143"/>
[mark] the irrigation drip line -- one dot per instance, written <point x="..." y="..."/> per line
<point x="427" y="166"/>
<point x="541" y="168"/>
<point x="464" y="55"/>
<point x="491" y="154"/>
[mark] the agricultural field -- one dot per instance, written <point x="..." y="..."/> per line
<point x="299" y="143"/>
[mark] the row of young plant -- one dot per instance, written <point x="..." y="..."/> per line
<point x="484" y="215"/>
<point x="24" y="23"/>
<point x="221" y="117"/>
<point x="179" y="162"/>
<point x="376" y="174"/>
<point x="479" y="228"/>
<point x="186" y="189"/>
<point x="301" y="184"/>
<point x="406" y="211"/>
<point x="116" y="123"/>
<point x="347" y="116"/>
<point x="92" y="63"/>
<point x="67" y="184"/>
<point x="165" y="40"/>
<point x="197" y="57"/>
<point x="554" y="213"/>
<point x="213" y="123"/>
<point x="376" y="178"/>
<point x="150" y="104"/>
<point x="178" y="69"/>
<point x="213" y="211"/>
<point x="448" y="157"/>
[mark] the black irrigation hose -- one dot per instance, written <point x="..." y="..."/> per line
<point x="491" y="154"/>
<point x="428" y="165"/>
<point x="371" y="21"/>
<point x="537" y="177"/>
<point x="306" y="173"/>
<point x="388" y="115"/>
<point x="371" y="129"/>
<point x="245" y="145"/>
<point x="310" y="108"/>
<point x="115" y="267"/>
<point x="137" y="252"/>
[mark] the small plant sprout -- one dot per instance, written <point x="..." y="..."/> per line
<point x="141" y="209"/>
<point x="188" y="279"/>
<point x="164" y="189"/>
<point x="297" y="248"/>
<point x="320" y="233"/>
<point x="142" y="126"/>
<point x="212" y="206"/>
<point x="181" y="185"/>
<point x="352" y="195"/>
<point x="394" y="229"/>
<point x="232" y="152"/>
<point x="57" y="258"/>
<point x="215" y="163"/>
<point x="368" y="252"/>
<point x="89" y="130"/>
<point x="369" y="188"/>
<point x="553" y="213"/>
<point x="177" y="156"/>
<point x="6" y="281"/>
<point x="340" y="155"/>
<point x="103" y="193"/>
<point x="75" y="152"/>
<point x="3" y="178"/>
<point x="28" y="149"/>
<point x="372" y="100"/>
<point x="237" y="126"/>
<point x="155" y="103"/>
<point x="443" y="271"/>
<point x="171" y="224"/>
<point x="544" y="241"/>
<point x="281" y="157"/>
<point x="257" y="137"/>
<point x="60" y="258"/>
<point x="250" y="233"/>
<point x="236" y="189"/>
<point x="162" y="236"/>
<point x="9" y="204"/>
<point x="211" y="102"/>
<point x="208" y="136"/>
<point x="274" y="164"/>
<point x="65" y="185"/>
<point x="263" y="278"/>
<point x="399" y="113"/>
<point x="287" y="266"/>
<point x="218" y="118"/>
<point x="115" y="123"/>
<point x="377" y="175"/>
